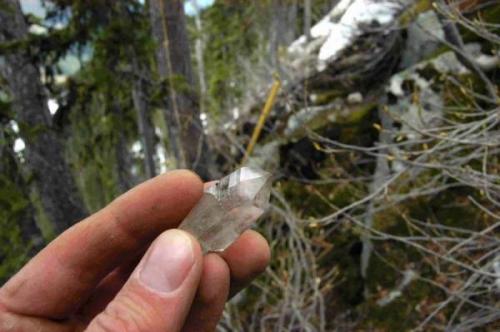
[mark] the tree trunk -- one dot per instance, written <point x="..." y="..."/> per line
<point x="10" y="171"/>
<point x="186" y="134"/>
<point x="380" y="176"/>
<point x="282" y="29"/>
<point x="44" y="150"/>
<point x="276" y="20"/>
<point x="290" y="28"/>
<point x="123" y="163"/>
<point x="307" y="19"/>
<point x="199" y="47"/>
<point x="145" y="128"/>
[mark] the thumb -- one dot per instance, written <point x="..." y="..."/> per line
<point x="159" y="293"/>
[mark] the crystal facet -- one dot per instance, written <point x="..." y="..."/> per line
<point x="228" y="207"/>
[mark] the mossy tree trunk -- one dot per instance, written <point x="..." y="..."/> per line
<point x="20" y="209"/>
<point x="44" y="150"/>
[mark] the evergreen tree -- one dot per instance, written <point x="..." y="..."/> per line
<point x="44" y="150"/>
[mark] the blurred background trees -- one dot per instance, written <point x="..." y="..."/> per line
<point x="384" y="141"/>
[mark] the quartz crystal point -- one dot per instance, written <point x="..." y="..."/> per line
<point x="228" y="207"/>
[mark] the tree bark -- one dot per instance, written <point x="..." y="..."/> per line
<point x="307" y="19"/>
<point x="123" y="164"/>
<point x="44" y="150"/>
<point x="145" y="128"/>
<point x="186" y="134"/>
<point x="199" y="47"/>
<point x="380" y="176"/>
<point x="273" y="33"/>
<point x="282" y="29"/>
<point x="10" y="170"/>
<point x="290" y="32"/>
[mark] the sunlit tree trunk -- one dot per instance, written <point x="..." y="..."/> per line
<point x="52" y="176"/>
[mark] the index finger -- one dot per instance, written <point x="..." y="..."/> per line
<point x="61" y="277"/>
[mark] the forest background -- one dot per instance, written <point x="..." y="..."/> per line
<point x="383" y="138"/>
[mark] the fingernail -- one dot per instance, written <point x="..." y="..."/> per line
<point x="168" y="262"/>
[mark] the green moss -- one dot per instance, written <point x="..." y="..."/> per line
<point x="43" y="222"/>
<point x="400" y="314"/>
<point x="14" y="251"/>
<point x="325" y="97"/>
<point x="412" y="12"/>
<point x="303" y="201"/>
<point x="357" y="114"/>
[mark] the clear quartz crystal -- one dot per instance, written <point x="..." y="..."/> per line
<point x="228" y="207"/>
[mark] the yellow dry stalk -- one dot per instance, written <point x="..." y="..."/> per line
<point x="268" y="106"/>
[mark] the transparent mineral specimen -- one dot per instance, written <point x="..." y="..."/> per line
<point x="228" y="207"/>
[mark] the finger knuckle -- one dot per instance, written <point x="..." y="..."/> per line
<point x="125" y="315"/>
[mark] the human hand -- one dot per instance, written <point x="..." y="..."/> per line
<point x="126" y="268"/>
